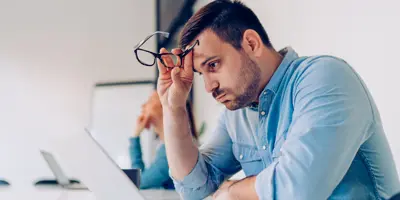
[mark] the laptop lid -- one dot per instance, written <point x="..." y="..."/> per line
<point x="61" y="178"/>
<point x="103" y="176"/>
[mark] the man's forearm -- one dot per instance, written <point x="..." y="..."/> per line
<point x="182" y="153"/>
<point x="244" y="189"/>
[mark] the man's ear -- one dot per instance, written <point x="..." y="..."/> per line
<point x="252" y="42"/>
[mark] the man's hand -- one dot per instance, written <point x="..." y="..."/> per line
<point x="223" y="192"/>
<point x="173" y="88"/>
<point x="174" y="85"/>
<point x="238" y="190"/>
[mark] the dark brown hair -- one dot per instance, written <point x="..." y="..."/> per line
<point x="227" y="19"/>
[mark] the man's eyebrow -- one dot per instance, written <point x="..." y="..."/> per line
<point x="208" y="59"/>
<point x="204" y="62"/>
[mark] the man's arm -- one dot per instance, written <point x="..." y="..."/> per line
<point x="173" y="89"/>
<point x="195" y="174"/>
<point x="181" y="151"/>
<point x="331" y="119"/>
<point x="244" y="189"/>
<point x="215" y="163"/>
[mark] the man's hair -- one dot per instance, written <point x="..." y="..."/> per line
<point x="227" y="19"/>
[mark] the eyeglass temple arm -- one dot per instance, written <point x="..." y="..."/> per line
<point x="165" y="34"/>
<point x="185" y="52"/>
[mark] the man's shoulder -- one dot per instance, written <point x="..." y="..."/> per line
<point x="319" y="62"/>
<point x="317" y="66"/>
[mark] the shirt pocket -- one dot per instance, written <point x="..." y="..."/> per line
<point x="249" y="158"/>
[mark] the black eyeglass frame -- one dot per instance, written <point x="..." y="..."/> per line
<point x="159" y="55"/>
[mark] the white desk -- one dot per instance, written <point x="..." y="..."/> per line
<point x="55" y="193"/>
<point x="45" y="194"/>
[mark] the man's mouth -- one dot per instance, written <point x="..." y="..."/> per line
<point x="220" y="98"/>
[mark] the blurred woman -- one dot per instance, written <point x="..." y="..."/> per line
<point x="157" y="174"/>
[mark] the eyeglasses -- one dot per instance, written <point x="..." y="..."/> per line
<point x="148" y="58"/>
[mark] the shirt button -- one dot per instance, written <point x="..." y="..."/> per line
<point x="262" y="113"/>
<point x="264" y="147"/>
<point x="241" y="157"/>
<point x="265" y="92"/>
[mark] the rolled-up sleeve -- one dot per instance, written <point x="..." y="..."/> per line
<point x="331" y="119"/>
<point x="215" y="163"/>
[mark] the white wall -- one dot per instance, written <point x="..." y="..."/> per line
<point x="363" y="32"/>
<point x="51" y="54"/>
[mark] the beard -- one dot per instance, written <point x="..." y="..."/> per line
<point x="247" y="85"/>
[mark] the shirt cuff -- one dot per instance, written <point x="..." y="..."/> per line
<point x="196" y="178"/>
<point x="265" y="182"/>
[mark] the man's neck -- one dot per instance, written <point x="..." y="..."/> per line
<point x="269" y="63"/>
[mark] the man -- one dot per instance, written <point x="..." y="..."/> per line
<point x="299" y="127"/>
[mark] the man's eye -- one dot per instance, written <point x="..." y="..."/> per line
<point x="212" y="67"/>
<point x="213" y="64"/>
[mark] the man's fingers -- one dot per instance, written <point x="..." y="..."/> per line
<point x="161" y="68"/>
<point x="176" y="76"/>
<point x="167" y="59"/>
<point x="188" y="62"/>
<point x="176" y="52"/>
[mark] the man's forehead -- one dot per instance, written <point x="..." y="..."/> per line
<point x="198" y="54"/>
<point x="210" y="45"/>
<point x="197" y="59"/>
<point x="207" y="49"/>
<point x="208" y="42"/>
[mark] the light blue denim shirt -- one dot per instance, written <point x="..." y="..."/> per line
<point x="315" y="134"/>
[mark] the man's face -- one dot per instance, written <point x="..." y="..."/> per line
<point x="230" y="75"/>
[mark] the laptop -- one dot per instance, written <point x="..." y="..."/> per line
<point x="61" y="178"/>
<point x="104" y="177"/>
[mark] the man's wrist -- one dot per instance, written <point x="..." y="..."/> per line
<point x="176" y="122"/>
<point x="175" y="111"/>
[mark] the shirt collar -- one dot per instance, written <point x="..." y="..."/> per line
<point x="289" y="55"/>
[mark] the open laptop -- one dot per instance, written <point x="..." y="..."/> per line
<point x="104" y="177"/>
<point x="59" y="175"/>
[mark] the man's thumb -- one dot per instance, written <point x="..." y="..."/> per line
<point x="175" y="75"/>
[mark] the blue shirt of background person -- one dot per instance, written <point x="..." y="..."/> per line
<point x="156" y="175"/>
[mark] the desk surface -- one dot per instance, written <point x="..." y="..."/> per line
<point x="56" y="193"/>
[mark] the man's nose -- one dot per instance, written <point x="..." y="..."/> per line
<point x="210" y="84"/>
